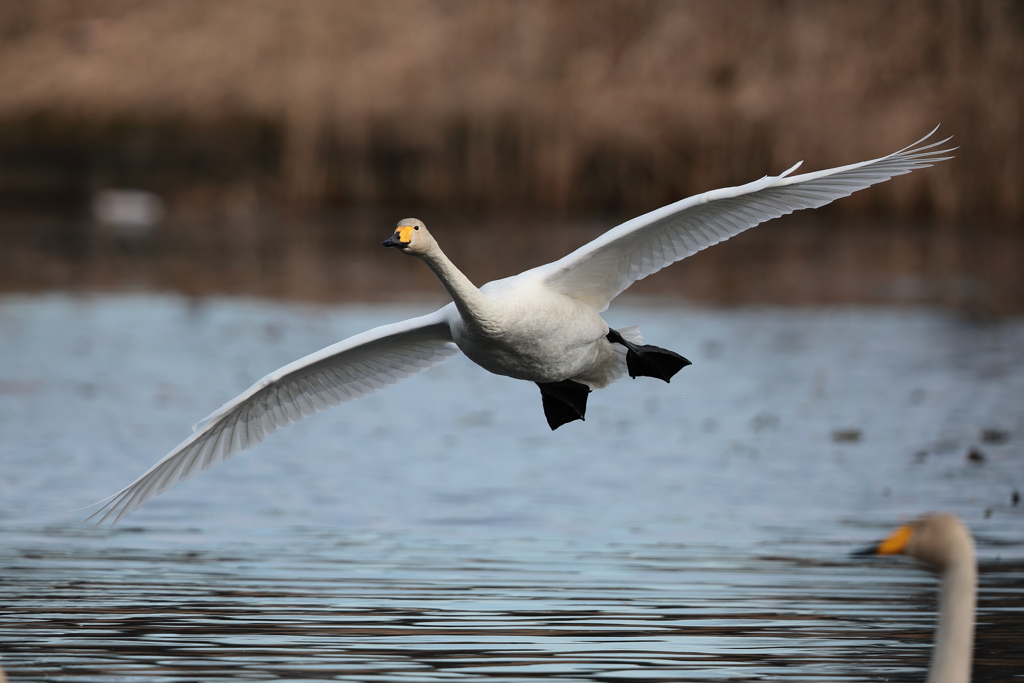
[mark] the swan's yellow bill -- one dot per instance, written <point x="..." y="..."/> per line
<point x="404" y="233"/>
<point x="896" y="543"/>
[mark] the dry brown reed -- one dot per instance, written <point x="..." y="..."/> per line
<point x="596" y="105"/>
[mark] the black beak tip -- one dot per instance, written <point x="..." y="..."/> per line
<point x="869" y="551"/>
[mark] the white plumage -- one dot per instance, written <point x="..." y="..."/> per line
<point x="542" y="325"/>
<point x="944" y="543"/>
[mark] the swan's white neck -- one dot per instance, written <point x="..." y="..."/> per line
<point x="954" y="642"/>
<point x="470" y="301"/>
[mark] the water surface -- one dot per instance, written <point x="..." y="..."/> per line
<point x="439" y="531"/>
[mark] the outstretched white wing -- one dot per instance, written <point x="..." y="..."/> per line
<point x="342" y="372"/>
<point x="599" y="271"/>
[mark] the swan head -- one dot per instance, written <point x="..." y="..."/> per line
<point x="938" y="539"/>
<point x="411" y="237"/>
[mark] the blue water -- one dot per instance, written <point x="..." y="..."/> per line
<point x="439" y="530"/>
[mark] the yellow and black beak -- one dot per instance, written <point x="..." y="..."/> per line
<point x="894" y="544"/>
<point x="401" y="238"/>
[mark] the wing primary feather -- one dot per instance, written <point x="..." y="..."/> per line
<point x="258" y="430"/>
<point x="129" y="502"/>
<point x="688" y="240"/>
<point x="226" y="444"/>
<point x="290" y="393"/>
<point x="252" y="424"/>
<point x="239" y="436"/>
<point x="598" y="271"/>
<point x="646" y="257"/>
<point x="345" y="384"/>
<point x="668" y="248"/>
<point x="303" y="396"/>
<point x="273" y="414"/>
<point x="318" y="393"/>
<point x="196" y="456"/>
<point x="160" y="476"/>
<point x="339" y="373"/>
<point x="217" y="446"/>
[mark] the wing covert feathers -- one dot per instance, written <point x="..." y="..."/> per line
<point x="337" y="374"/>
<point x="597" y="272"/>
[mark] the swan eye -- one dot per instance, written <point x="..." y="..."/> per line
<point x="416" y="227"/>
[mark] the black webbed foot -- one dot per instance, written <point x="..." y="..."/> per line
<point x="644" y="360"/>
<point x="654" y="361"/>
<point x="564" y="401"/>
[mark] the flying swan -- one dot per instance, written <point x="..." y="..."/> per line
<point x="543" y="325"/>
<point x="941" y="541"/>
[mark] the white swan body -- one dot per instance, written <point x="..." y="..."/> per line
<point x="943" y="542"/>
<point x="543" y="325"/>
<point x="535" y="334"/>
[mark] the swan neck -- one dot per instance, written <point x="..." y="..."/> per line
<point x="954" y="641"/>
<point x="468" y="299"/>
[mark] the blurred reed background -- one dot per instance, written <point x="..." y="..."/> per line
<point x="267" y="146"/>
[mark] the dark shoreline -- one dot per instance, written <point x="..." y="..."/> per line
<point x="814" y="259"/>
